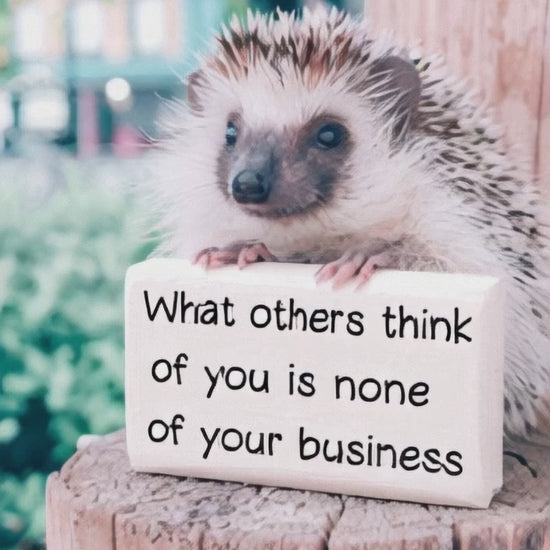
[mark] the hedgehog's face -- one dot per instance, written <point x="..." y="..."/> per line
<point x="288" y="117"/>
<point x="276" y="171"/>
<point x="281" y="149"/>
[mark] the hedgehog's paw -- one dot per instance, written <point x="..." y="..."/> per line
<point x="356" y="265"/>
<point x="377" y="261"/>
<point x="213" y="257"/>
<point x="241" y="253"/>
<point x="252" y="253"/>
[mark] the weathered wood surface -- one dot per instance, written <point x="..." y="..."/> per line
<point x="97" y="501"/>
<point x="502" y="46"/>
<point x="543" y="151"/>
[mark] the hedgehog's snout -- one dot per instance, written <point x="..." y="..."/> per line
<point x="251" y="186"/>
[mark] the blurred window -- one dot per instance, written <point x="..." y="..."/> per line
<point x="6" y="111"/>
<point x="45" y="110"/>
<point x="28" y="29"/>
<point x="87" y="20"/>
<point x="149" y="26"/>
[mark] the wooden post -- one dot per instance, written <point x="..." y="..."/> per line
<point x="543" y="150"/>
<point x="97" y="501"/>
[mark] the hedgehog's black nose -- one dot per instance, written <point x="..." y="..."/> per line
<point x="250" y="186"/>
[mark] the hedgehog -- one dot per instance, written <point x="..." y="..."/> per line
<point x="305" y="139"/>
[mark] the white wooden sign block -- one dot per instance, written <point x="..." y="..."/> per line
<point x="392" y="391"/>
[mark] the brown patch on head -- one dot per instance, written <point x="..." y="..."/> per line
<point x="300" y="171"/>
<point x="314" y="49"/>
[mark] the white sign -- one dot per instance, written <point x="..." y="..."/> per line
<point x="392" y="391"/>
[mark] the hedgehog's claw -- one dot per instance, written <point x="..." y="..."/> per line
<point x="355" y="265"/>
<point x="203" y="257"/>
<point x="214" y="257"/>
<point x="252" y="253"/>
<point x="378" y="261"/>
<point x="241" y="254"/>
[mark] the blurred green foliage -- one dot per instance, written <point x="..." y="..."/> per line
<point x="62" y="269"/>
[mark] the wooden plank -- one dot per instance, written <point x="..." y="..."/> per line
<point x="498" y="44"/>
<point x="543" y="144"/>
<point x="97" y="501"/>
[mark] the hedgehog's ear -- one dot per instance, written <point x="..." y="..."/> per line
<point x="395" y="84"/>
<point x="194" y="83"/>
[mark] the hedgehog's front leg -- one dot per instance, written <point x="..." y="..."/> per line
<point x="240" y="253"/>
<point x="356" y="264"/>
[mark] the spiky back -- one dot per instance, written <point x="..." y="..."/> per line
<point x="479" y="207"/>
<point x="471" y="156"/>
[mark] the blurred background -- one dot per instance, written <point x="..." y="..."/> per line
<point x="81" y="85"/>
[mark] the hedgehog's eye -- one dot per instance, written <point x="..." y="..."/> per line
<point x="330" y="136"/>
<point x="231" y="134"/>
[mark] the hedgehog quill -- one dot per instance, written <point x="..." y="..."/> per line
<point x="306" y="140"/>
